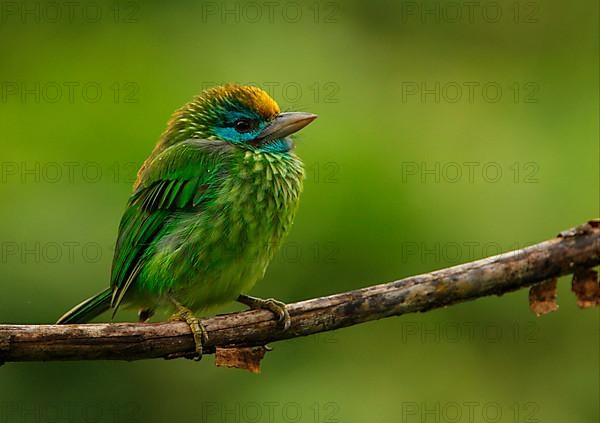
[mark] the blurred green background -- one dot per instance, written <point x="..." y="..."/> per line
<point x="409" y="170"/>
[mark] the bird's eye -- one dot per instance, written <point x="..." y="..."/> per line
<point x="244" y="125"/>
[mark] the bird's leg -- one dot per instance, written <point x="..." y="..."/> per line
<point x="184" y="314"/>
<point x="271" y="304"/>
<point x="144" y="314"/>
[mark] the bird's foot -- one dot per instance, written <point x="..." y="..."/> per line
<point x="277" y="307"/>
<point x="184" y="314"/>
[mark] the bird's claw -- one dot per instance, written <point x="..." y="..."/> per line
<point x="277" y="307"/>
<point x="198" y="331"/>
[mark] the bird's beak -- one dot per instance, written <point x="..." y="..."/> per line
<point x="286" y="124"/>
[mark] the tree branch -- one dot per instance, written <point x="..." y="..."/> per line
<point x="578" y="248"/>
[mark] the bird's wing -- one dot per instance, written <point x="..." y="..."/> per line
<point x="182" y="178"/>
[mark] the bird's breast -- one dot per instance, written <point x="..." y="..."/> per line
<point x="225" y="248"/>
<point x="261" y="194"/>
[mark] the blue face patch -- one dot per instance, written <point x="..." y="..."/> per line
<point x="226" y="130"/>
<point x="277" y="146"/>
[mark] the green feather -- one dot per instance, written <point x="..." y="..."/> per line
<point x="88" y="309"/>
<point x="169" y="188"/>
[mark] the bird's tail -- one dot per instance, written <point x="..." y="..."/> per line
<point x="88" y="309"/>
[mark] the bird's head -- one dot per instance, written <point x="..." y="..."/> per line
<point x="239" y="114"/>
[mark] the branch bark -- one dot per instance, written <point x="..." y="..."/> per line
<point x="578" y="248"/>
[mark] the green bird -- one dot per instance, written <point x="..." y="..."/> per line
<point x="210" y="206"/>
